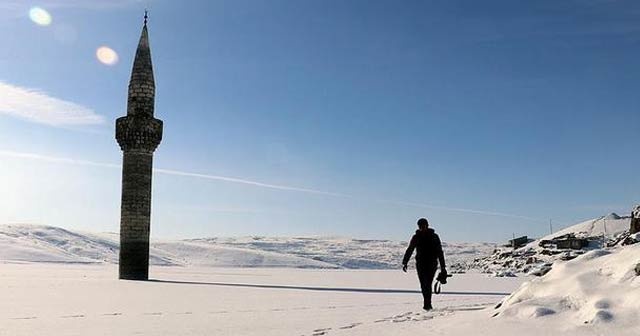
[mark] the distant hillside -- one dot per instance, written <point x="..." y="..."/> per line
<point x="538" y="256"/>
<point x="34" y="243"/>
<point x="609" y="226"/>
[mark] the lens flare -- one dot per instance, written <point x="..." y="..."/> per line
<point x="40" y="16"/>
<point x="107" y="55"/>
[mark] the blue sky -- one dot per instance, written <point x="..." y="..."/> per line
<point x="487" y="117"/>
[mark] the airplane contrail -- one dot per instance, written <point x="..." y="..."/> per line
<point x="61" y="160"/>
<point x="243" y="181"/>
<point x="53" y="159"/>
<point x="471" y="211"/>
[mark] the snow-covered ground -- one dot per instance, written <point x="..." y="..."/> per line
<point x="52" y="244"/>
<point x="55" y="299"/>
<point x="58" y="282"/>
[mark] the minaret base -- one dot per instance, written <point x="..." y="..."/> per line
<point x="134" y="260"/>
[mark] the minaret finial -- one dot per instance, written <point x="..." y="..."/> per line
<point x="146" y="16"/>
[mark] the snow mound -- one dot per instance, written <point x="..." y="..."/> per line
<point x="600" y="288"/>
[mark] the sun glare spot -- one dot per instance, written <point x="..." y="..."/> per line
<point x="107" y="55"/>
<point x="40" y="16"/>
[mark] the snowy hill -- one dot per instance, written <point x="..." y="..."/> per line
<point x="607" y="226"/>
<point x="38" y="243"/>
<point x="537" y="256"/>
<point x="34" y="243"/>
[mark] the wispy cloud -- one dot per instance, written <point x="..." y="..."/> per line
<point x="32" y="156"/>
<point x="37" y="106"/>
<point x="53" y="159"/>
<point x="463" y="210"/>
<point x="86" y="4"/>
<point x="18" y="9"/>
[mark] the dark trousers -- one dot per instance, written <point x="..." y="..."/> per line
<point x="426" y="273"/>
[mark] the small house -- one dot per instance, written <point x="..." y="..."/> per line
<point x="518" y="242"/>
<point x="571" y="243"/>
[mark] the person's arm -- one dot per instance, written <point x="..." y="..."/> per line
<point x="440" y="253"/>
<point x="408" y="253"/>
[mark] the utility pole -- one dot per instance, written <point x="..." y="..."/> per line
<point x="550" y="227"/>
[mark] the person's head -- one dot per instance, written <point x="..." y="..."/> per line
<point x="423" y="224"/>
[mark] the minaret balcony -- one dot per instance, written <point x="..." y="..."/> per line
<point x="139" y="133"/>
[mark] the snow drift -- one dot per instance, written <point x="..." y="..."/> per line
<point x="600" y="287"/>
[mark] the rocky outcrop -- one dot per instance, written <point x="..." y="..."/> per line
<point x="635" y="220"/>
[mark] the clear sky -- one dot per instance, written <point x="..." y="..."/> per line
<point x="487" y="117"/>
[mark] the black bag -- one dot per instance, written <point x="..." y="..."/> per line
<point x="440" y="280"/>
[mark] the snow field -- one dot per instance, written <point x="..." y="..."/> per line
<point x="47" y="299"/>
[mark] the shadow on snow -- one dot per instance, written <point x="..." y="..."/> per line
<point x="325" y="289"/>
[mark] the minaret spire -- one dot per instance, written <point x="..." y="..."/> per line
<point x="142" y="87"/>
<point x="138" y="135"/>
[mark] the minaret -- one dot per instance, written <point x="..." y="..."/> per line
<point x="138" y="135"/>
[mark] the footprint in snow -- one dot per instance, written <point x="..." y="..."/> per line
<point x="350" y="326"/>
<point x="320" y="332"/>
<point x="219" y="312"/>
<point x="301" y="308"/>
<point x="414" y="317"/>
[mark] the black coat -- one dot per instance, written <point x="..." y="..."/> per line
<point x="428" y="247"/>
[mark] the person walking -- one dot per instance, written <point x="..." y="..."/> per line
<point x="429" y="253"/>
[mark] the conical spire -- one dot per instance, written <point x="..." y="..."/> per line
<point x="142" y="85"/>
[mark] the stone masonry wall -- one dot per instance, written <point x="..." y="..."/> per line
<point x="135" y="215"/>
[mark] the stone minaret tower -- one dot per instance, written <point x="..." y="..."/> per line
<point x="138" y="135"/>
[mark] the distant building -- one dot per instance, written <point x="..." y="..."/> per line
<point x="518" y="242"/>
<point x="566" y="242"/>
<point x="572" y="243"/>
